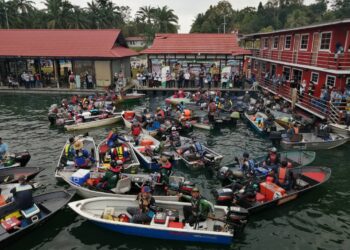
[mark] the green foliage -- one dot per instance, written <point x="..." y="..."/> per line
<point x="275" y="14"/>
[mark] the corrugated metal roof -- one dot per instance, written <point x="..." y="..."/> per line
<point x="220" y="44"/>
<point x="62" y="43"/>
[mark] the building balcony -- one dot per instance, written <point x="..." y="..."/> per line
<point x="321" y="59"/>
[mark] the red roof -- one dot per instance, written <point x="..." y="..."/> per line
<point x="135" y="38"/>
<point x="62" y="43"/>
<point x="226" y="44"/>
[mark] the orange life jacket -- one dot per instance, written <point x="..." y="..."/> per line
<point x="296" y="130"/>
<point x="282" y="174"/>
<point x="136" y="130"/>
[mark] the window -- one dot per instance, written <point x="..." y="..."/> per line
<point x="347" y="81"/>
<point x="287" y="42"/>
<point x="330" y="82"/>
<point x="304" y="41"/>
<point x="314" y="77"/>
<point x="286" y="73"/>
<point x="325" y="41"/>
<point x="275" y="42"/>
<point x="266" y="43"/>
<point x="273" y="69"/>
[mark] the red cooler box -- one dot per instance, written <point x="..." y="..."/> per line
<point x="10" y="223"/>
<point x="271" y="191"/>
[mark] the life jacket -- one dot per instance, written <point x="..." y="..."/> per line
<point x="282" y="175"/>
<point x="136" y="130"/>
<point x="67" y="149"/>
<point x="187" y="114"/>
<point x="118" y="152"/>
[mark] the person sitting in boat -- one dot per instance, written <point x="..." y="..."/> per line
<point x="323" y="131"/>
<point x="180" y="107"/>
<point x="272" y="159"/>
<point x="211" y="110"/>
<point x="270" y="119"/>
<point x="293" y="132"/>
<point x="3" y="150"/>
<point x="82" y="157"/>
<point x="69" y="151"/>
<point x="146" y="209"/>
<point x="199" y="210"/>
<point x="283" y="176"/>
<point x="120" y="152"/>
<point x="160" y="113"/>
<point x="175" y="137"/>
<point x="245" y="194"/>
<point x="181" y="94"/>
<point x="136" y="130"/>
<point x="23" y="194"/>
<point x="162" y="180"/>
<point x="113" y="138"/>
<point x="196" y="148"/>
<point x="246" y="165"/>
<point x="186" y="115"/>
<point x="112" y="176"/>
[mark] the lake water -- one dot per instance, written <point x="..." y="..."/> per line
<point x="318" y="220"/>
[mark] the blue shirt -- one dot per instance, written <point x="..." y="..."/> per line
<point x="3" y="150"/>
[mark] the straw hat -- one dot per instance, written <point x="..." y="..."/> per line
<point x="78" y="145"/>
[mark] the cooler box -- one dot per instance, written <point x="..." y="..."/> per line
<point x="160" y="218"/>
<point x="81" y="176"/>
<point x="259" y="197"/>
<point x="173" y="224"/>
<point x="173" y="214"/>
<point x="10" y="223"/>
<point x="271" y="191"/>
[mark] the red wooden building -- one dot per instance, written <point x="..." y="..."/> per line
<point x="317" y="54"/>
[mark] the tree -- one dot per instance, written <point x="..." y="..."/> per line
<point x="146" y="13"/>
<point x="165" y="20"/>
<point x="296" y="19"/>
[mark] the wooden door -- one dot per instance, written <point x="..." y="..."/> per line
<point x="296" y="48"/>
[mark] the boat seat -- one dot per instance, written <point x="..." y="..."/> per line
<point x="301" y="183"/>
<point x="123" y="186"/>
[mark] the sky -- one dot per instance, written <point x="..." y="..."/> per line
<point x="186" y="10"/>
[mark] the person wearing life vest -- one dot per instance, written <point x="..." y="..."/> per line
<point x="211" y="110"/>
<point x="69" y="151"/>
<point x="247" y="166"/>
<point x="272" y="159"/>
<point x="146" y="209"/>
<point x="175" y="137"/>
<point x="283" y="176"/>
<point x="160" y="113"/>
<point x="23" y="194"/>
<point x="82" y="157"/>
<point x="136" y="130"/>
<point x="197" y="148"/>
<point x="199" y="210"/>
<point x="119" y="152"/>
<point x="112" y="176"/>
<point x="113" y="138"/>
<point x="186" y="115"/>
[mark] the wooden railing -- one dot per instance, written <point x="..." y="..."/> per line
<point x="321" y="59"/>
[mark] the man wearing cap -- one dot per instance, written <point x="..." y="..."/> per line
<point x="112" y="176"/>
<point x="272" y="159"/>
<point x="3" y="149"/>
<point x="83" y="157"/>
<point x="199" y="209"/>
<point x="146" y="209"/>
<point x="23" y="194"/>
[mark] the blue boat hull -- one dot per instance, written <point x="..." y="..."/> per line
<point x="167" y="235"/>
<point x="148" y="166"/>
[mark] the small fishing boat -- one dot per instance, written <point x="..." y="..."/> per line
<point x="129" y="166"/>
<point x="310" y="141"/>
<point x="46" y="205"/>
<point x="11" y="175"/>
<point x="130" y="185"/>
<point x="129" y="98"/>
<point x="6" y="191"/>
<point x="106" y="211"/>
<point x="95" y="122"/>
<point x="146" y="152"/>
<point x="64" y="164"/>
<point x="193" y="160"/>
<point x="187" y="99"/>
<point x="127" y="117"/>
<point x="271" y="195"/>
<point x="201" y="123"/>
<point x="341" y="129"/>
<point x="19" y="159"/>
<point x="257" y="122"/>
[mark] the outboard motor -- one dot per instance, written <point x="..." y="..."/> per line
<point x="209" y="160"/>
<point x="223" y="196"/>
<point x="224" y="175"/>
<point x="237" y="219"/>
<point x="186" y="187"/>
<point x="275" y="137"/>
<point x="22" y="158"/>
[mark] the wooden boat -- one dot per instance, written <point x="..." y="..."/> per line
<point x="260" y="129"/>
<point x="271" y="195"/>
<point x="130" y="166"/>
<point x="94" y="123"/>
<point x="64" y="165"/>
<point x="102" y="211"/>
<point x="129" y="186"/>
<point x="175" y="100"/>
<point x="19" y="159"/>
<point x="341" y="129"/>
<point x="210" y="159"/>
<point x="146" y="160"/>
<point x="48" y="203"/>
<point x="310" y="141"/>
<point x="11" y="175"/>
